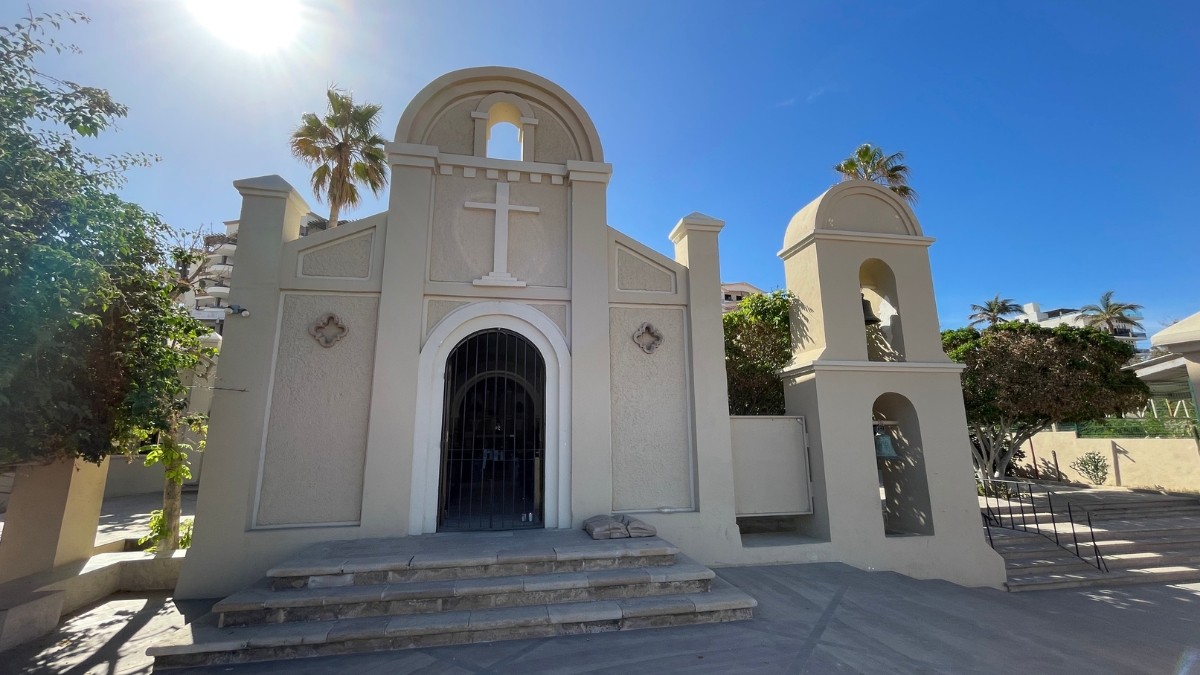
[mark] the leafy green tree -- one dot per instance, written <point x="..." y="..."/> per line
<point x="345" y="150"/>
<point x="1110" y="315"/>
<point x="92" y="341"/>
<point x="869" y="163"/>
<point x="994" y="311"/>
<point x="69" y="252"/>
<point x="1021" y="378"/>
<point x="757" y="345"/>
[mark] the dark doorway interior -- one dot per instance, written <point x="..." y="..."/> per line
<point x="493" y="434"/>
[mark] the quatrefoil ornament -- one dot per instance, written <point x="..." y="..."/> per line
<point x="647" y="338"/>
<point x="328" y="330"/>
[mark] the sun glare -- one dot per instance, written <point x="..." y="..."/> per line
<point x="253" y="25"/>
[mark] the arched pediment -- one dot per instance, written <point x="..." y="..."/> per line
<point x="854" y="206"/>
<point x="477" y="90"/>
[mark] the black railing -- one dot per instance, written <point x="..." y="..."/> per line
<point x="1016" y="502"/>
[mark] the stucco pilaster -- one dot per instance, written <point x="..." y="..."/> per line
<point x="52" y="516"/>
<point x="270" y="217"/>
<point x="388" y="480"/>
<point x="695" y="239"/>
<point x="591" y="433"/>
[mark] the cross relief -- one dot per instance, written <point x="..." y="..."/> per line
<point x="499" y="275"/>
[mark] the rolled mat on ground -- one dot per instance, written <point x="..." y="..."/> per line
<point x="617" y="527"/>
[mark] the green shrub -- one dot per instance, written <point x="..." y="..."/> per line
<point x="1093" y="466"/>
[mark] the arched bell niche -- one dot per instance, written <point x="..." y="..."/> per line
<point x="881" y="311"/>
<point x="900" y="462"/>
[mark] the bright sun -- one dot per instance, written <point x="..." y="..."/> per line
<point x="254" y="25"/>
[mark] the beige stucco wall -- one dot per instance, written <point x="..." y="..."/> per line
<point x="637" y="274"/>
<point x="52" y="516"/>
<point x="317" y="431"/>
<point x="556" y="312"/>
<point x="129" y="476"/>
<point x="651" y="428"/>
<point x="554" y="143"/>
<point x="1155" y="463"/>
<point x="350" y="257"/>
<point x="463" y="243"/>
<point x="454" y="130"/>
<point x="436" y="310"/>
<point x="770" y="465"/>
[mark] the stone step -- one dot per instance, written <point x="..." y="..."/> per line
<point x="1133" y="530"/>
<point x="1114" y="561"/>
<point x="442" y="557"/>
<point x="1107" y="547"/>
<point x="262" y="605"/>
<point x="1080" y="513"/>
<point x="204" y="643"/>
<point x="1165" y="512"/>
<point x="1094" y="578"/>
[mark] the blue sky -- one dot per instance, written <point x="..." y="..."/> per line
<point x="1054" y="145"/>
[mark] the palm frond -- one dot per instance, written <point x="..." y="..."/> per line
<point x="344" y="149"/>
<point x="868" y="162"/>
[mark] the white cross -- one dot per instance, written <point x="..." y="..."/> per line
<point x="499" y="275"/>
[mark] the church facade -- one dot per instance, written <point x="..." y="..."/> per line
<point x="488" y="354"/>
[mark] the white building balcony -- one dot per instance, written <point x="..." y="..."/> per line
<point x="220" y="270"/>
<point x="218" y="291"/>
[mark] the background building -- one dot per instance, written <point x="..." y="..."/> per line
<point x="1066" y="316"/>
<point x="733" y="293"/>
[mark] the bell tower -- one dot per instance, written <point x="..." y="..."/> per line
<point x="891" y="467"/>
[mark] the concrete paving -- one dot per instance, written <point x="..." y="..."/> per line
<point x="817" y="618"/>
<point x="128" y="517"/>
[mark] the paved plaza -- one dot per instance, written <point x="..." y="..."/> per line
<point x="816" y="618"/>
<point x="128" y="517"/>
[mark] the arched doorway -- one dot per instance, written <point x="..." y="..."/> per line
<point x="493" y="437"/>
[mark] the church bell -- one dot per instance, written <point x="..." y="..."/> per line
<point x="869" y="316"/>
<point x="883" y="444"/>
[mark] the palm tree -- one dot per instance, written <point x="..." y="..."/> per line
<point x="993" y="311"/>
<point x="345" y="150"/>
<point x="869" y="163"/>
<point x="1110" y="314"/>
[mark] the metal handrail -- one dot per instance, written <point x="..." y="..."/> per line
<point x="990" y="489"/>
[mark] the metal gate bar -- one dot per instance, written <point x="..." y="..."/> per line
<point x="493" y="434"/>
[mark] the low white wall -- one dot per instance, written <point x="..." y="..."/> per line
<point x="134" y="478"/>
<point x="770" y="466"/>
<point x="1156" y="463"/>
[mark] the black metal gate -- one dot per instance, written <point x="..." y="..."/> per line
<point x="493" y="434"/>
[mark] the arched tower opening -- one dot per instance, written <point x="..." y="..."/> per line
<point x="881" y="311"/>
<point x="900" y="462"/>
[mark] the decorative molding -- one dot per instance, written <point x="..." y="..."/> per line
<point x="328" y="330"/>
<point x="870" y="367"/>
<point x="859" y="237"/>
<point x="501" y="164"/>
<point x="468" y="172"/>
<point x="647" y="338"/>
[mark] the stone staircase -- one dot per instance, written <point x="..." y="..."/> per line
<point x="1142" y="539"/>
<point x="379" y="594"/>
